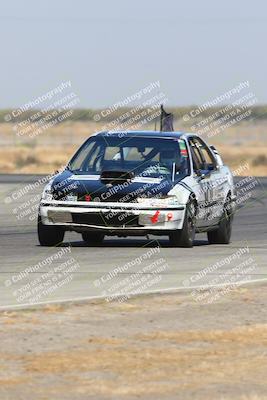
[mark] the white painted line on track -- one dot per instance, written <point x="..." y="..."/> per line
<point x="159" y="291"/>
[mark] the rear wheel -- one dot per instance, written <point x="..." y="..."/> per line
<point x="93" y="238"/>
<point x="185" y="237"/>
<point x="49" y="235"/>
<point x="222" y="235"/>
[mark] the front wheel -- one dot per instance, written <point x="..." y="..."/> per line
<point x="222" y="235"/>
<point x="185" y="237"/>
<point x="49" y="235"/>
<point x="93" y="238"/>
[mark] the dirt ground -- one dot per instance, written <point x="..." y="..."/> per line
<point x="154" y="347"/>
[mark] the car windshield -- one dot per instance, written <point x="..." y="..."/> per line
<point x="145" y="156"/>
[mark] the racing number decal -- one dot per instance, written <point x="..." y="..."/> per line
<point x="208" y="192"/>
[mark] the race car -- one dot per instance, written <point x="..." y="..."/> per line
<point x="140" y="183"/>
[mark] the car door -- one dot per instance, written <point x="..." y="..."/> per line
<point x="215" y="182"/>
<point x="202" y="181"/>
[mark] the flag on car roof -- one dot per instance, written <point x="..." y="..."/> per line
<point x="166" y="121"/>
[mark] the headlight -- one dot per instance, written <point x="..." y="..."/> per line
<point x="159" y="202"/>
<point x="47" y="192"/>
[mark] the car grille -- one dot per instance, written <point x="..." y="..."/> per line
<point x="105" y="219"/>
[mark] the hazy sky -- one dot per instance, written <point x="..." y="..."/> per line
<point x="109" y="49"/>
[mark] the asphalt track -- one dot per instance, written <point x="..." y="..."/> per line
<point x="30" y="273"/>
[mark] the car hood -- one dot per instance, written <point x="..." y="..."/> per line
<point x="90" y="188"/>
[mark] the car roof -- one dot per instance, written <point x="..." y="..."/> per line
<point x="155" y="134"/>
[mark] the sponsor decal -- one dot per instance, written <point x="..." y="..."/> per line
<point x="183" y="148"/>
<point x="143" y="179"/>
<point x="85" y="177"/>
<point x="138" y="179"/>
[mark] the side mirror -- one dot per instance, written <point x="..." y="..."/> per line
<point x="217" y="155"/>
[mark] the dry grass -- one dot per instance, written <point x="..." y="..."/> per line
<point x="161" y="362"/>
<point x="242" y="336"/>
<point x="38" y="160"/>
<point x="52" y="149"/>
<point x="48" y="159"/>
<point x="252" y="153"/>
<point x="13" y="381"/>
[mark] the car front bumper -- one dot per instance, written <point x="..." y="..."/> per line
<point x="111" y="217"/>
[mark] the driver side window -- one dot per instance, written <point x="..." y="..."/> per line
<point x="195" y="156"/>
<point x="202" y="158"/>
<point x="208" y="162"/>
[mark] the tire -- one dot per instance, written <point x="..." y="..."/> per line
<point x="185" y="237"/>
<point x="222" y="235"/>
<point x="49" y="235"/>
<point x="93" y="238"/>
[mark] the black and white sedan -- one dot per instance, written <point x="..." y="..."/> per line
<point x="140" y="183"/>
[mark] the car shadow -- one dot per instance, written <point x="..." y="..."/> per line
<point x="124" y="243"/>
